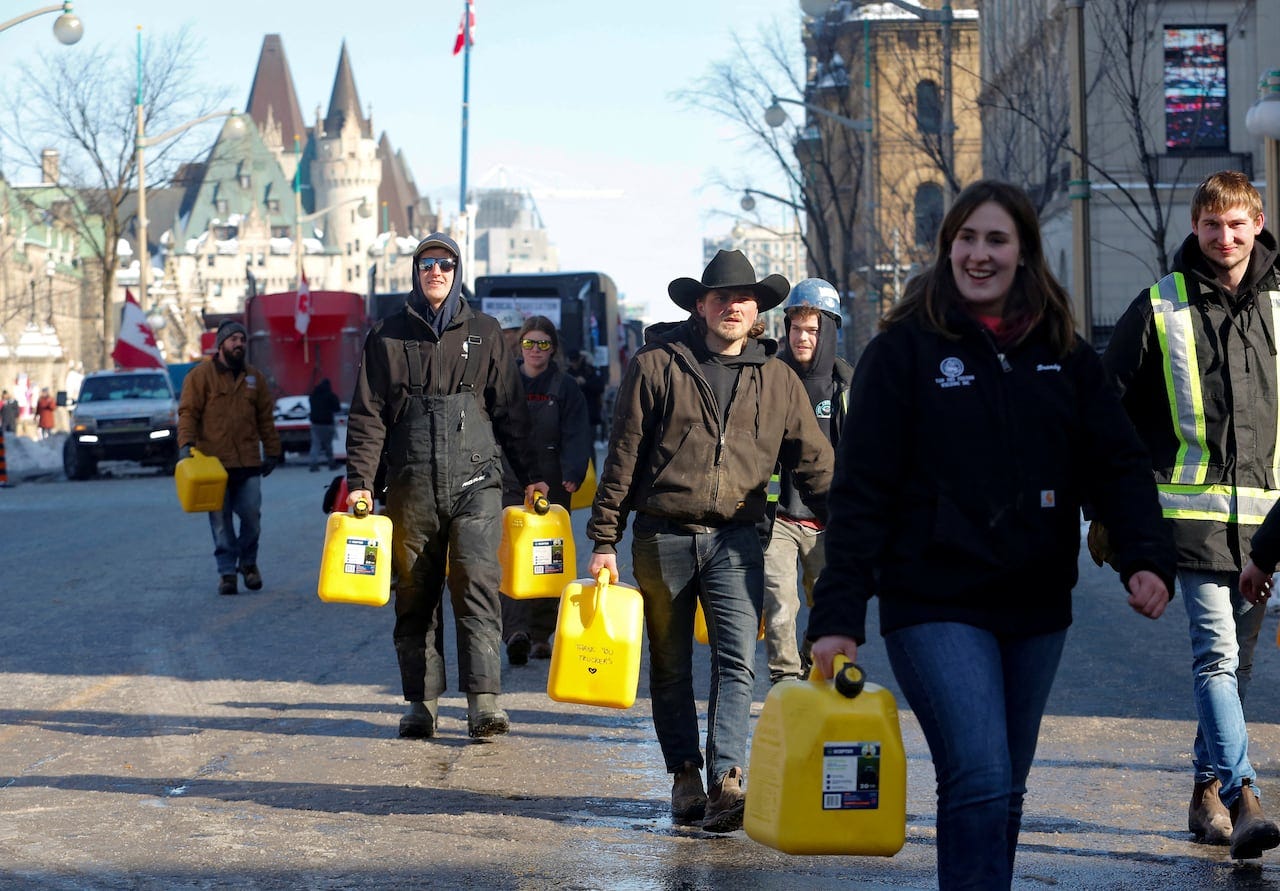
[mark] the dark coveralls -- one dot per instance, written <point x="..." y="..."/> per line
<point x="435" y="401"/>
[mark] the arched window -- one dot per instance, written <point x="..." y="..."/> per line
<point x="928" y="212"/>
<point x="928" y="107"/>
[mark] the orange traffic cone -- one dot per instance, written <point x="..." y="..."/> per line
<point x="4" y="469"/>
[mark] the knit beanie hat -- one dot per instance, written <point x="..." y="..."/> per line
<point x="225" y="330"/>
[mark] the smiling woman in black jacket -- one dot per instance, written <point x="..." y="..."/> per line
<point x="978" y="424"/>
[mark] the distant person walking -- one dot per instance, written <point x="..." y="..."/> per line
<point x="226" y="411"/>
<point x="8" y="412"/>
<point x="46" y="407"/>
<point x="324" y="405"/>
<point x="591" y="382"/>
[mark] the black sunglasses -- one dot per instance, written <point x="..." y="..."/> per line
<point x="445" y="264"/>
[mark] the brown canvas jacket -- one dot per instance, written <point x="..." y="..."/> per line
<point x="670" y="458"/>
<point x="227" y="415"/>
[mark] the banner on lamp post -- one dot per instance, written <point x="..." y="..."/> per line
<point x="136" y="345"/>
<point x="302" y="310"/>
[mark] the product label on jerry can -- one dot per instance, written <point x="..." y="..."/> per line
<point x="548" y="556"/>
<point x="850" y="776"/>
<point x="361" y="556"/>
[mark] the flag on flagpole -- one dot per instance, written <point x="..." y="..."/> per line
<point x="466" y="29"/>
<point x="136" y="345"/>
<point x="302" y="310"/>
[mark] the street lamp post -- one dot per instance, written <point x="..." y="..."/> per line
<point x="944" y="18"/>
<point x="776" y="116"/>
<point x="1263" y="119"/>
<point x="1079" y="188"/>
<point x="365" y="210"/>
<point x="66" y="27"/>
<point x="144" y="142"/>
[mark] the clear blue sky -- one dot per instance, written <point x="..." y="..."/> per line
<point x="570" y="93"/>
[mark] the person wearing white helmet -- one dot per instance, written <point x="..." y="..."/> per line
<point x="812" y="311"/>
<point x="510" y="320"/>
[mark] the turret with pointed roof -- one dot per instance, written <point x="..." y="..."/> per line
<point x="344" y="101"/>
<point x="273" y="103"/>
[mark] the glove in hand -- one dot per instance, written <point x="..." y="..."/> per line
<point x="269" y="463"/>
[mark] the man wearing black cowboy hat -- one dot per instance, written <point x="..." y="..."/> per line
<point x="701" y="418"/>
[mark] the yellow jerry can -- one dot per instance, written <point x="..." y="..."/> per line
<point x="828" y="772"/>
<point x="536" y="551"/>
<point x="356" y="564"/>
<point x="700" y="633"/>
<point x="585" y="494"/>
<point x="595" y="659"/>
<point x="201" y="481"/>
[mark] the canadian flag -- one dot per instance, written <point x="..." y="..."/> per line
<point x="302" y="311"/>
<point x="466" y="28"/>
<point x="136" y="345"/>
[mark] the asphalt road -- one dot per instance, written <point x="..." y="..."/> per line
<point x="156" y="735"/>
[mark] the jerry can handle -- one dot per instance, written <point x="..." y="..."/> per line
<point x="849" y="678"/>
<point x="541" y="506"/>
<point x="360" y="509"/>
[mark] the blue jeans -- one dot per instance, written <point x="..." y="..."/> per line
<point x="321" y="443"/>
<point x="725" y="569"/>
<point x="979" y="698"/>
<point x="1224" y="631"/>
<point x="244" y="500"/>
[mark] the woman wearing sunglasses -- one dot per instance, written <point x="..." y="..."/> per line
<point x="561" y="439"/>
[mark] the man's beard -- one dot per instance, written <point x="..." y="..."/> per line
<point x="233" y="359"/>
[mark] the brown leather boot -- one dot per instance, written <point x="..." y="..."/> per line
<point x="688" y="800"/>
<point x="1253" y="832"/>
<point x="726" y="803"/>
<point x="1207" y="817"/>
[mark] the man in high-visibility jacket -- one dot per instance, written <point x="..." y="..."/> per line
<point x="1194" y="357"/>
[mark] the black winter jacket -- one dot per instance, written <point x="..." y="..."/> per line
<point x="959" y="481"/>
<point x="1235" y="343"/>
<point x="382" y="381"/>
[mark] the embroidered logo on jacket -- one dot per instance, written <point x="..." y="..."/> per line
<point x="953" y="371"/>
<point x="823" y="409"/>
<point x="1054" y="367"/>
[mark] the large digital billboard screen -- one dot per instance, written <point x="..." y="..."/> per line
<point x="1195" y="87"/>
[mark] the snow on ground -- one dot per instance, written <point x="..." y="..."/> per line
<point x="26" y="457"/>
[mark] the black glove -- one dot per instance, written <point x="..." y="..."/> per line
<point x="184" y="452"/>
<point x="269" y="463"/>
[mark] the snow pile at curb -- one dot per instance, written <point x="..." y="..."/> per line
<point x="26" y="457"/>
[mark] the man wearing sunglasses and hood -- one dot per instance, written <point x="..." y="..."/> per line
<point x="437" y="392"/>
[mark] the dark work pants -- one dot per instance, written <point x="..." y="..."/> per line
<point x="467" y="531"/>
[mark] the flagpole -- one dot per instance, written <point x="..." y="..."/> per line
<point x="466" y="94"/>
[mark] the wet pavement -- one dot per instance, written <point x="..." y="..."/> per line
<point x="155" y="735"/>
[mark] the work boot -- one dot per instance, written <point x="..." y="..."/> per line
<point x="484" y="718"/>
<point x="688" y="799"/>
<point x="227" y="585"/>
<point x="252" y="578"/>
<point x="725" y="803"/>
<point x="518" y="649"/>
<point x="1253" y="832"/>
<point x="541" y="650"/>
<point x="419" y="722"/>
<point x="1207" y="817"/>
